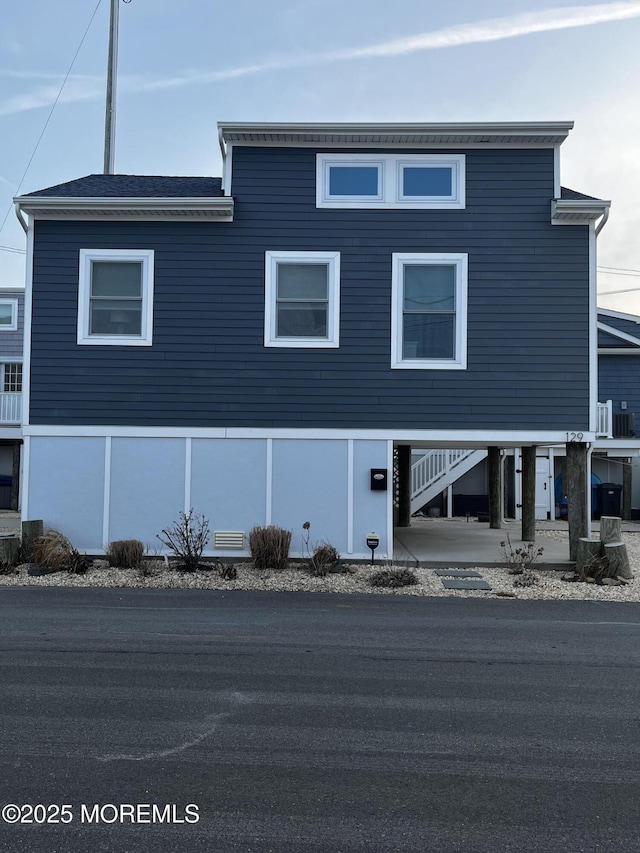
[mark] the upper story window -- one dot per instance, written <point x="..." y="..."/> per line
<point x="302" y="299"/>
<point x="9" y="314"/>
<point x="420" y="181"/>
<point x="429" y="311"/>
<point x="115" y="297"/>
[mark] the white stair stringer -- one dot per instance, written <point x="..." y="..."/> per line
<point x="437" y="469"/>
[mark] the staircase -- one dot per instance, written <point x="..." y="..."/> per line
<point x="438" y="469"/>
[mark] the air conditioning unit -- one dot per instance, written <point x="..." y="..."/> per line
<point x="624" y="425"/>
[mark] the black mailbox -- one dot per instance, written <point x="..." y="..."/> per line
<point x="379" y="477"/>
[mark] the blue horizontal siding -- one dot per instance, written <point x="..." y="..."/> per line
<point x="618" y="380"/>
<point x="527" y="330"/>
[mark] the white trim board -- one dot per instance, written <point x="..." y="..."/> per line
<point x="616" y="333"/>
<point x="426" y="438"/>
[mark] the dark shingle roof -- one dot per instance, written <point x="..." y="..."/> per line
<point x="576" y="196"/>
<point x="134" y="186"/>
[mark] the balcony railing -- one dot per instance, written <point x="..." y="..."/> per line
<point x="604" y="420"/>
<point x="10" y="408"/>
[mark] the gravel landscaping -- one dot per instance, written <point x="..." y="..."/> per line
<point x="297" y="579"/>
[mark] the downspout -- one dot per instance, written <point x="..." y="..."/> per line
<point x="603" y="221"/>
<point x="21" y="218"/>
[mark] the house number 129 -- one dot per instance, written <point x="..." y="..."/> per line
<point x="575" y="436"/>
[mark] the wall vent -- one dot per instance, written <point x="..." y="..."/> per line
<point x="228" y="539"/>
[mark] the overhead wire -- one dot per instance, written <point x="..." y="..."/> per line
<point x="55" y="103"/>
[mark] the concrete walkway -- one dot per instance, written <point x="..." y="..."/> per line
<point x="443" y="542"/>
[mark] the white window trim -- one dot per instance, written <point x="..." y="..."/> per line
<point x="459" y="361"/>
<point x="13" y="325"/>
<point x="146" y="258"/>
<point x="390" y="170"/>
<point x="332" y="259"/>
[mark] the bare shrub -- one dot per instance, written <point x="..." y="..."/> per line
<point x="227" y="571"/>
<point x="78" y="563"/>
<point x="269" y="547"/>
<point x="519" y="560"/>
<point x="186" y="539"/>
<point x="393" y="578"/>
<point x="52" y="551"/>
<point x="125" y="553"/>
<point x="323" y="560"/>
<point x="5" y="566"/>
<point x="527" y="578"/>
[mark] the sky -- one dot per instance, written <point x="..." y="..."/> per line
<point x="186" y="64"/>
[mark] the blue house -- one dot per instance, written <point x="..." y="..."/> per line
<point x="11" y="352"/>
<point x="261" y="346"/>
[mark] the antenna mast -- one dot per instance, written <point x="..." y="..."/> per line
<point x="112" y="68"/>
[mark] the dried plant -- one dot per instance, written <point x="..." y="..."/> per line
<point x="52" y="551"/>
<point x="321" y="559"/>
<point x="270" y="547"/>
<point x="518" y="560"/>
<point x="125" y="553"/>
<point x="5" y="566"/>
<point x="78" y="563"/>
<point x="227" y="571"/>
<point x="527" y="578"/>
<point x="187" y="539"/>
<point x="393" y="578"/>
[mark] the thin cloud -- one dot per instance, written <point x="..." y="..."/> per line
<point x="86" y="88"/>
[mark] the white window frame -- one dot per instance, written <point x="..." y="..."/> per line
<point x="272" y="260"/>
<point x="13" y="325"/>
<point x="391" y="167"/>
<point x="146" y="258"/>
<point x="399" y="261"/>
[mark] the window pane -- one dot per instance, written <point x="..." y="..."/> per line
<point x="12" y="378"/>
<point x="428" y="336"/>
<point x="429" y="287"/>
<point x="115" y="317"/>
<point x="303" y="281"/>
<point x="300" y="320"/>
<point x="353" y="180"/>
<point x="116" y="278"/>
<point x="426" y="181"/>
<point x="6" y="314"/>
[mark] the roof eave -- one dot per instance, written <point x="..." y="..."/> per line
<point x="577" y="211"/>
<point x="166" y="208"/>
<point x="533" y="134"/>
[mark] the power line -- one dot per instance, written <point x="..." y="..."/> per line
<point x="610" y="272"/>
<point x="55" y="103"/>
<point x="13" y="249"/>
<point x="619" y="269"/>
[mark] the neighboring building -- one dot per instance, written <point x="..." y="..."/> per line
<point x="258" y="346"/>
<point x="11" y="352"/>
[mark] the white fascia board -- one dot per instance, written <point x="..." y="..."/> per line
<point x="42" y="205"/>
<point x="618" y="446"/>
<point x="425" y="438"/>
<point x="618" y="315"/>
<point x="569" y="211"/>
<point x="616" y="333"/>
<point x="529" y="134"/>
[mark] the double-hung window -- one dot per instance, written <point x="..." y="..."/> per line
<point x="302" y="299"/>
<point x="429" y="311"/>
<point x="115" y="297"/>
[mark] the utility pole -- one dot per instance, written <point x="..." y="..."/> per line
<point x="112" y="68"/>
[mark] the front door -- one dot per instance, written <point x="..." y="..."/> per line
<point x="543" y="493"/>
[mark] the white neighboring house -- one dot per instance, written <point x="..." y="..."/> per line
<point x="11" y="355"/>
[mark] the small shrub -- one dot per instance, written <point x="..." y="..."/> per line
<point x="321" y="559"/>
<point x="269" y="547"/>
<point x="519" y="560"/>
<point x="5" y="566"/>
<point x="187" y="539"/>
<point x="324" y="559"/>
<point x="393" y="578"/>
<point x="526" y="578"/>
<point x="227" y="571"/>
<point x="78" y="563"/>
<point x="125" y="553"/>
<point x="52" y="551"/>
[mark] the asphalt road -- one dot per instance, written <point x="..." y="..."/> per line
<point x="295" y="722"/>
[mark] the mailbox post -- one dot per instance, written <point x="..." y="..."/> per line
<point x="373" y="540"/>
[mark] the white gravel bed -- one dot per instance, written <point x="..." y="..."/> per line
<point x="296" y="579"/>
